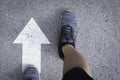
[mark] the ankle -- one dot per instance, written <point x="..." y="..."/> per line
<point x="67" y="48"/>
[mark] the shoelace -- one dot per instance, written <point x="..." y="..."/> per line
<point x="67" y="32"/>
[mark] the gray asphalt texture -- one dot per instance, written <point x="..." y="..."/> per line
<point x="98" y="39"/>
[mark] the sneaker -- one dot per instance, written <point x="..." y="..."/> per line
<point x="30" y="73"/>
<point x="68" y="31"/>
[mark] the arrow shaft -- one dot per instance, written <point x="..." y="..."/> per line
<point x="31" y="55"/>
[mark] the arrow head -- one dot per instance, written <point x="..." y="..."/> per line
<point x="31" y="34"/>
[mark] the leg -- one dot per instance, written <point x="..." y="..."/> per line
<point x="66" y="48"/>
<point x="73" y="59"/>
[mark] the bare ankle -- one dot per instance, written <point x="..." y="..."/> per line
<point x="67" y="47"/>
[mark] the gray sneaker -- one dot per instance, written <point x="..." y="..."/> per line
<point x="68" y="31"/>
<point x="30" y="73"/>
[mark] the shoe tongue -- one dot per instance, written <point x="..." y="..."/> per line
<point x="28" y="78"/>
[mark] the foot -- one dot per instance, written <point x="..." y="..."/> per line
<point x="68" y="31"/>
<point x="30" y="73"/>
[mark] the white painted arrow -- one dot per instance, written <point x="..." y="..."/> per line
<point x="31" y="37"/>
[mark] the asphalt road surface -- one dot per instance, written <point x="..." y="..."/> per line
<point x="98" y="39"/>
